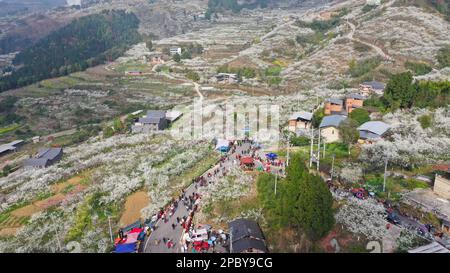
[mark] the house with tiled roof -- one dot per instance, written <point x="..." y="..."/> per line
<point x="44" y="158"/>
<point x="329" y="128"/>
<point x="333" y="106"/>
<point x="373" y="130"/>
<point x="155" y="120"/>
<point x="300" y="121"/>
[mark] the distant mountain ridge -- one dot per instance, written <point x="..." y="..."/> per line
<point x="11" y="7"/>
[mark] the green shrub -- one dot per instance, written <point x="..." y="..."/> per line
<point x="300" y="141"/>
<point x="359" y="68"/>
<point x="192" y="75"/>
<point x="443" y="56"/>
<point x="425" y="121"/>
<point x="317" y="117"/>
<point x="418" y="68"/>
<point x="360" y="115"/>
<point x="273" y="71"/>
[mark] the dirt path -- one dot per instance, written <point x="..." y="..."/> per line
<point x="376" y="48"/>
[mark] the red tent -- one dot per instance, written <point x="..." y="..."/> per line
<point x="247" y="160"/>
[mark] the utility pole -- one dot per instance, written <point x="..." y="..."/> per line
<point x="287" y="160"/>
<point x="312" y="144"/>
<point x="110" y="230"/>
<point x="109" y="223"/>
<point x="231" y="240"/>
<point x="332" y="167"/>
<point x="276" y="180"/>
<point x="318" y="152"/>
<point x="57" y="234"/>
<point x="385" y="174"/>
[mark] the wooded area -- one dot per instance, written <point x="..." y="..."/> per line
<point x="85" y="42"/>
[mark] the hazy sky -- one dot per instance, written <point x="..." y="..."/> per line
<point x="73" y="2"/>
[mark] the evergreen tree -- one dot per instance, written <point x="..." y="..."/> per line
<point x="177" y="58"/>
<point x="149" y="44"/>
<point x="89" y="40"/>
<point x="348" y="132"/>
<point x="399" y="92"/>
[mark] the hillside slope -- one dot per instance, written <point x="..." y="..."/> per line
<point x="85" y="42"/>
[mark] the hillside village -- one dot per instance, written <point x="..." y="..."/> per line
<point x="137" y="154"/>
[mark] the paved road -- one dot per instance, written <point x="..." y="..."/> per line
<point x="165" y="230"/>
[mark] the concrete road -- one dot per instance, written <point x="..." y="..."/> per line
<point x="165" y="230"/>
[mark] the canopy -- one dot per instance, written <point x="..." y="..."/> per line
<point x="247" y="160"/>
<point x="271" y="156"/>
<point x="126" y="248"/>
<point x="136" y="224"/>
<point x="222" y="144"/>
<point x="132" y="238"/>
<point x="136" y="230"/>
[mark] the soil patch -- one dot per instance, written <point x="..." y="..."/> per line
<point x="133" y="206"/>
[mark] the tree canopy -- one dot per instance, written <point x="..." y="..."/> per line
<point x="348" y="132"/>
<point x="399" y="92"/>
<point x="85" y="42"/>
<point x="402" y="92"/>
<point x="317" y="117"/>
<point x="303" y="202"/>
<point x="360" y="115"/>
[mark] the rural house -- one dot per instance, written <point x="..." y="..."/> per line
<point x="44" y="158"/>
<point x="300" y="120"/>
<point x="442" y="181"/>
<point x="172" y="116"/>
<point x="10" y="147"/>
<point x="175" y="50"/>
<point x="433" y="247"/>
<point x="227" y="78"/>
<point x="373" y="130"/>
<point x="368" y="88"/>
<point x="329" y="127"/>
<point x="155" y="120"/>
<point x="333" y="106"/>
<point x="246" y="237"/>
<point x="353" y="101"/>
<point x="157" y="59"/>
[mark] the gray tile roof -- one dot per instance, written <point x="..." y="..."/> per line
<point x="36" y="162"/>
<point x="332" y="121"/>
<point x="301" y="115"/>
<point x="10" y="146"/>
<point x="156" y="114"/>
<point x="242" y="228"/>
<point x="434" y="247"/>
<point x="335" y="101"/>
<point x="49" y="153"/>
<point x="376" y="127"/>
<point x="149" y="120"/>
<point x="375" y="85"/>
<point x="355" y="96"/>
<point x="44" y="157"/>
<point x="246" y="234"/>
<point x="248" y="243"/>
